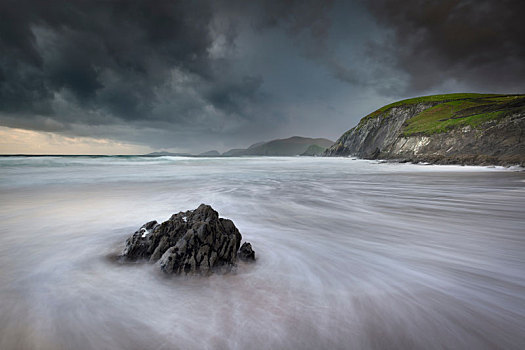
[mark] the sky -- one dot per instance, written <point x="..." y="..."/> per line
<point x="132" y="77"/>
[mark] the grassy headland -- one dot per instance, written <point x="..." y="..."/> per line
<point x="454" y="110"/>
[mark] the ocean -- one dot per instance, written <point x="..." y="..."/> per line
<point x="351" y="254"/>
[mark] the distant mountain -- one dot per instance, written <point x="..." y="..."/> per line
<point x="257" y="144"/>
<point x="162" y="153"/>
<point x="235" y="152"/>
<point x="314" y="150"/>
<point x="212" y="153"/>
<point x="292" y="146"/>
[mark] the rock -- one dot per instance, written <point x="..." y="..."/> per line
<point x="192" y="242"/>
<point x="246" y="252"/>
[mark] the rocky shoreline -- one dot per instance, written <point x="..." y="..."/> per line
<point x="474" y="159"/>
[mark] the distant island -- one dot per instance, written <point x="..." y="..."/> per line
<point x="478" y="129"/>
<point x="170" y="154"/>
<point x="292" y="146"/>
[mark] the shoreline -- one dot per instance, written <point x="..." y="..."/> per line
<point x="462" y="160"/>
<point x="472" y="160"/>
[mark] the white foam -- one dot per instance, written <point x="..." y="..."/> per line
<point x="144" y="232"/>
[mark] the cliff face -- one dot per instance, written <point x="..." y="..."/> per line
<point x="371" y="135"/>
<point x="495" y="135"/>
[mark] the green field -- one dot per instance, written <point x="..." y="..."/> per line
<point x="455" y="110"/>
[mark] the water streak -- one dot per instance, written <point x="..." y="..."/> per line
<point x="351" y="255"/>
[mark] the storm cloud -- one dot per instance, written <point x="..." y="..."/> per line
<point x="195" y="75"/>
<point x="478" y="43"/>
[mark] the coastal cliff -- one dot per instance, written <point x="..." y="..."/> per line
<point x="443" y="129"/>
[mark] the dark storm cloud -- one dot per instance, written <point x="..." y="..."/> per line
<point x="49" y="46"/>
<point x="199" y="74"/>
<point x="311" y="23"/>
<point x="478" y="43"/>
<point x="162" y="64"/>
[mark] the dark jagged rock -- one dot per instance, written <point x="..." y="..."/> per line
<point x="246" y="252"/>
<point x="195" y="241"/>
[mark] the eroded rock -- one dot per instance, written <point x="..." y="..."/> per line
<point x="195" y="241"/>
<point x="246" y="252"/>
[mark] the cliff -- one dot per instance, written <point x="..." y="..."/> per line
<point x="444" y="129"/>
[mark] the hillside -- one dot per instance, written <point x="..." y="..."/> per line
<point x="452" y="128"/>
<point x="164" y="153"/>
<point x="292" y="146"/>
<point x="212" y="153"/>
<point x="314" y="150"/>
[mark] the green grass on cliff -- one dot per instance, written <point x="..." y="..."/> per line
<point x="454" y="110"/>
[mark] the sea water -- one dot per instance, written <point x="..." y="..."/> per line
<point x="351" y="254"/>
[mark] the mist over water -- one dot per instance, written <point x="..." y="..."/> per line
<point x="351" y="254"/>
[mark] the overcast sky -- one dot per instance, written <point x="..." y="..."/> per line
<point x="127" y="77"/>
